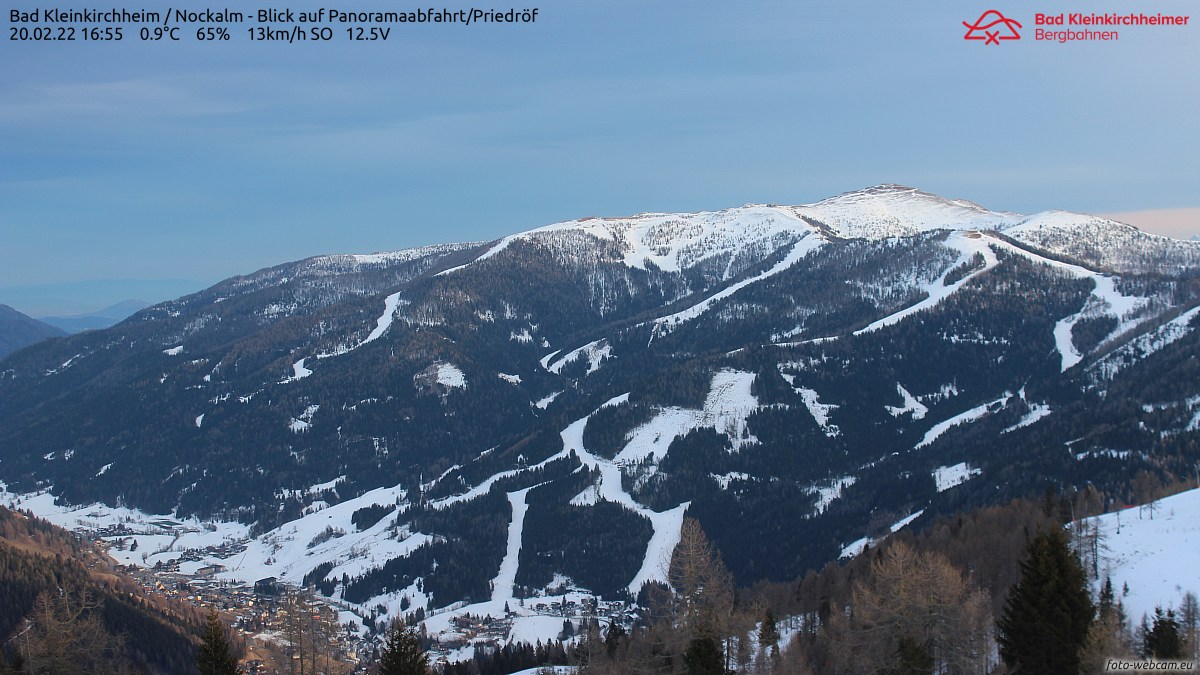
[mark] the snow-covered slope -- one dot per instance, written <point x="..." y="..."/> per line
<point x="887" y="211"/>
<point x="824" y="372"/>
<point x="1152" y="549"/>
<point x="677" y="241"/>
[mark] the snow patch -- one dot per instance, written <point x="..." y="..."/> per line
<point x="1036" y="412"/>
<point x="545" y="402"/>
<point x="961" y="418"/>
<point x="448" y="375"/>
<point x="304" y="421"/>
<point x="969" y="244"/>
<point x="502" y="585"/>
<point x="390" y="303"/>
<point x="666" y="324"/>
<point x="726" y="409"/>
<point x="595" y="352"/>
<point x="911" y="405"/>
<point x="827" y="493"/>
<point x="299" y="372"/>
<point x="946" y="477"/>
<point x="724" y="479"/>
<point x="819" y="411"/>
<point x="1142" y="346"/>
<point x="173" y="351"/>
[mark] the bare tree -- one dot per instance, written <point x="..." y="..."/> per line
<point x="918" y="597"/>
<point x="64" y="633"/>
<point x="310" y="631"/>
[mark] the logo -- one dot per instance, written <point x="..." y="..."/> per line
<point x="992" y="27"/>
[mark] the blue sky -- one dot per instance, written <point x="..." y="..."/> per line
<point x="198" y="161"/>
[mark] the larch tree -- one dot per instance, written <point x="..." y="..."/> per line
<point x="912" y="607"/>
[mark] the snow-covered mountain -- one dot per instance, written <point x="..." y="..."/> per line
<point x="496" y="422"/>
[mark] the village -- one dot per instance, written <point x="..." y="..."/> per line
<point x="265" y="613"/>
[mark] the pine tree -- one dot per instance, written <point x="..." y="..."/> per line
<point x="704" y="657"/>
<point x="1048" y="612"/>
<point x="1162" y="640"/>
<point x="769" y="634"/>
<point x="402" y="653"/>
<point x="912" y="658"/>
<point x="216" y="656"/>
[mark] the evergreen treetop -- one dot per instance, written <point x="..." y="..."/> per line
<point x="216" y="656"/>
<point x="1048" y="612"/>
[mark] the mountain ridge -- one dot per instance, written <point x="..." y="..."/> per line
<point x="607" y="376"/>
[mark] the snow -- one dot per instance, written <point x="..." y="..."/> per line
<point x="1156" y="557"/>
<point x="886" y="211"/>
<point x="152" y="531"/>
<point x="104" y="469"/>
<point x="595" y="352"/>
<point x="1144" y="345"/>
<point x="911" y="405"/>
<point x="961" y="418"/>
<point x="819" y="411"/>
<point x="511" y="379"/>
<point x="899" y="524"/>
<point x="666" y="324"/>
<point x="545" y="402"/>
<point x="199" y="420"/>
<point x="1036" y="412"/>
<point x="726" y="409"/>
<point x="500" y="246"/>
<point x="666" y="524"/>
<point x="304" y="421"/>
<point x="173" y="351"/>
<point x="826" y="494"/>
<point x="299" y="372"/>
<point x="390" y="303"/>
<point x="390" y="257"/>
<point x="1107" y="453"/>
<point x="545" y="360"/>
<point x="285" y="553"/>
<point x="448" y="375"/>
<point x="1104" y="299"/>
<point x="856" y="547"/>
<point x="1063" y="342"/>
<point x="968" y="244"/>
<point x="502" y="585"/>
<point x="724" y="479"/>
<point x="549" y="670"/>
<point x="946" y="477"/>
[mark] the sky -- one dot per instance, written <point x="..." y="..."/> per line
<point x="175" y="165"/>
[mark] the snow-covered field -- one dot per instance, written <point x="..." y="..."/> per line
<point x="1154" y="553"/>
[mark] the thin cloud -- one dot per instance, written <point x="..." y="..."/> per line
<point x="1178" y="223"/>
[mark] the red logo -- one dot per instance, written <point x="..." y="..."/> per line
<point x="992" y="27"/>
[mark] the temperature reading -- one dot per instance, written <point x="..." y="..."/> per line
<point x="159" y="33"/>
<point x="223" y="24"/>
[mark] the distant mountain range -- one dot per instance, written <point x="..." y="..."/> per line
<point x="482" y="422"/>
<point x="109" y="316"/>
<point x="18" y="330"/>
